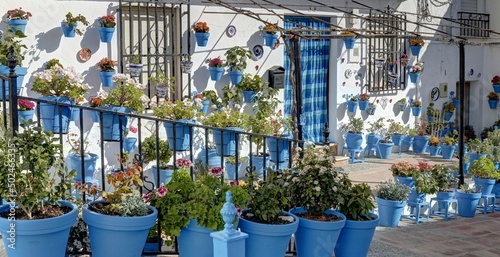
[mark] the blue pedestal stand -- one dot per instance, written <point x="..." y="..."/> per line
<point x="354" y="152"/>
<point x="486" y="207"/>
<point x="415" y="212"/>
<point x="229" y="242"/>
<point x="444" y="213"/>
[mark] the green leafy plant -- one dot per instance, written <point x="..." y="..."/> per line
<point x="25" y="162"/>
<point x="389" y="190"/>
<point x="444" y="178"/>
<point x="73" y="20"/>
<point x="135" y="59"/>
<point x="424" y="180"/>
<point x="396" y="127"/>
<point x="433" y="112"/>
<point x="356" y="201"/>
<point x="355" y="125"/>
<point x="478" y="147"/>
<point x="449" y="107"/>
<point x="128" y="93"/>
<point x="10" y="39"/>
<point x="484" y="168"/>
<point x="376" y="126"/>
<point x="225" y="118"/>
<point x="164" y="152"/>
<point x="178" y="110"/>
<point x="237" y="58"/>
<point x="53" y="62"/>
<point x="162" y="80"/>
<point x="58" y="81"/>
<point x="251" y="83"/>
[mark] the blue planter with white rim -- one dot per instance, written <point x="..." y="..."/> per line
<point x="467" y="203"/>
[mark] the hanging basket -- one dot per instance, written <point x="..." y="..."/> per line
<point x="415" y="50"/>
<point x="349" y="42"/>
<point x="414" y="77"/>
<point x="379" y="62"/>
<point x="186" y="67"/>
<point x="371" y="109"/>
<point x="493" y="104"/>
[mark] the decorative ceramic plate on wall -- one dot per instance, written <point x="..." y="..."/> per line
<point x="84" y="54"/>
<point x="231" y="31"/>
<point x="258" y="52"/>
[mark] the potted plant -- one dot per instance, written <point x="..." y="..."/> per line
<point x="96" y="101"/>
<point x="421" y="140"/>
<point x="401" y="103"/>
<point x="129" y="142"/>
<point x="424" y="182"/>
<point x="236" y="60"/>
<point x="364" y="101"/>
<point x="495" y="82"/>
<point x="408" y="139"/>
<point x="18" y="19"/>
<point x="485" y="174"/>
<point x="349" y="39"/>
<point x="233" y="167"/>
<point x="432" y="113"/>
<point x="356" y="203"/>
<point x="250" y="85"/>
<point x="493" y="100"/>
<point x="121" y="214"/>
<point x="107" y="70"/>
<point x="449" y="144"/>
<point x="314" y="171"/>
<point x="434" y="143"/>
<point x="269" y="227"/>
<point x="106" y="27"/>
<point x="165" y="86"/>
<point x="352" y="104"/>
<point x="415" y="71"/>
<point x="449" y="108"/>
<point x="270" y="34"/>
<point x="79" y="157"/>
<point x="391" y="200"/>
<point x="397" y="131"/>
<point x="354" y="138"/>
<point x="10" y="41"/>
<point x="135" y="66"/>
<point x="416" y="44"/>
<point x="58" y="84"/>
<point x="230" y="121"/>
<point x="478" y="149"/>
<point x="384" y="147"/>
<point x="404" y="59"/>
<point x="26" y="110"/>
<point x="70" y="24"/>
<point x="445" y="181"/>
<point x="31" y="159"/>
<point x="186" y="63"/>
<point x="375" y="131"/>
<point x="216" y="68"/>
<point x="201" y="32"/>
<point x="278" y="126"/>
<point x="182" y="113"/>
<point x="126" y="97"/>
<point x="162" y="171"/>
<point x="467" y="200"/>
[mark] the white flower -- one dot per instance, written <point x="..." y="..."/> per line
<point x="144" y="99"/>
<point x="315" y="182"/>
<point x="295" y="180"/>
<point x="237" y="106"/>
<point x="317" y="188"/>
<point x="334" y="188"/>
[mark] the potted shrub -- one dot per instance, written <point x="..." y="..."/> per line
<point x="314" y="171"/>
<point x="122" y="215"/>
<point x="107" y="70"/>
<point x="135" y="66"/>
<point x="467" y="201"/>
<point x="416" y="44"/>
<point x="106" y="27"/>
<point x="485" y="174"/>
<point x="165" y="86"/>
<point x="432" y="113"/>
<point x="397" y="131"/>
<point x="201" y="32"/>
<point x="391" y="200"/>
<point x="79" y="157"/>
<point x="478" y="149"/>
<point x="364" y="101"/>
<point x="354" y="138"/>
<point x="493" y="100"/>
<point x="449" y="108"/>
<point x="445" y="182"/>
<point x="236" y="60"/>
<point x="415" y="71"/>
<point x="162" y="171"/>
<point x="421" y="140"/>
<point x="34" y="194"/>
<point x="408" y="139"/>
<point x="384" y="147"/>
<point x="249" y="86"/>
<point x="269" y="227"/>
<point x="216" y="68"/>
<point x="230" y="121"/>
<point x="186" y="63"/>
<point x="270" y="34"/>
<point x="425" y="183"/>
<point x="495" y="82"/>
<point x="70" y="24"/>
<point x="10" y="41"/>
<point x="18" y="19"/>
<point x="26" y="110"/>
<point x="448" y="145"/>
<point x="434" y="143"/>
<point x="375" y="131"/>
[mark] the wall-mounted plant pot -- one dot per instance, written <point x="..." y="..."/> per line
<point x="493" y="104"/>
<point x="107" y="78"/>
<point x="415" y="111"/>
<point x="236" y="77"/>
<point x="496" y="88"/>
<point x="447" y="116"/>
<point x="248" y="96"/>
<point x="349" y="42"/>
<point x="414" y="77"/>
<point x="68" y="31"/>
<point x="352" y="106"/>
<point x="364" y="104"/>
<point x="401" y="106"/>
<point x="186" y="67"/>
<point x="215" y="73"/>
<point x="18" y="25"/>
<point x="135" y="69"/>
<point x="270" y="39"/>
<point x="393" y="79"/>
<point x="202" y="38"/>
<point x="456" y="102"/>
<point x="371" y="109"/>
<point x="415" y="50"/>
<point x="106" y="34"/>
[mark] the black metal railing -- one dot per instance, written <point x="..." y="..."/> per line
<point x="474" y="24"/>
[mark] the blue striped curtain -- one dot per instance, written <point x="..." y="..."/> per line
<point x="315" y="57"/>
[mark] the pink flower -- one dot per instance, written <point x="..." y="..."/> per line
<point x="161" y="191"/>
<point x="238" y="209"/>
<point x="183" y="163"/>
<point x="147" y="196"/>
<point x="132" y="129"/>
<point x="234" y="183"/>
<point x="257" y="67"/>
<point x="216" y="171"/>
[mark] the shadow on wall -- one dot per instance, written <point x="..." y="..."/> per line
<point x="92" y="41"/>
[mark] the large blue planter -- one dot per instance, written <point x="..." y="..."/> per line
<point x="475" y="156"/>
<point x="414" y="77"/>
<point x="106" y="34"/>
<point x="413" y="197"/>
<point x="349" y="42"/>
<point x="278" y="149"/>
<point x="485" y="184"/>
<point x="182" y="138"/>
<point x="390" y="212"/>
<point x="51" y="117"/>
<point x="111" y="123"/>
<point x="132" y="230"/>
<point x="270" y="39"/>
<point x="18" y="24"/>
<point x="397" y="139"/>
<point x="215" y="73"/>
<point x="447" y="196"/>
<point x="384" y="150"/>
<point x="236" y="77"/>
<point x="372" y="140"/>
<point x="89" y="165"/>
<point x="420" y="143"/>
<point x="317" y="236"/>
<point x="40" y="238"/>
<point x="352" y="106"/>
<point x="21" y="72"/>
<point x="496" y="88"/>
<point x="232" y="170"/>
<point x="353" y="140"/>
<point x="213" y="159"/>
<point x="107" y="78"/>
<point x="434" y="150"/>
<point x="447" y="151"/>
<point x="415" y="111"/>
<point x="258" y="164"/>
<point x="407" y="143"/>
<point x="227" y="146"/>
<point x="248" y="96"/>
<point x="165" y="175"/>
<point x="129" y="144"/>
<point x="69" y="31"/>
<point x="202" y="38"/>
<point x="25" y="115"/>
<point x="415" y="50"/>
<point x="75" y="114"/>
<point x="356" y="237"/>
<point x="363" y="105"/>
<point x="267" y="240"/>
<point x="467" y="203"/>
<point x="194" y="234"/>
<point x="493" y="104"/>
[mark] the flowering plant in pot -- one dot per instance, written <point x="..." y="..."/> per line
<point x="202" y="33"/>
<point x="31" y="159"/>
<point x="107" y="21"/>
<point x="178" y="110"/>
<point x="106" y="27"/>
<point x="216" y="68"/>
<point x="417" y="67"/>
<point x="18" y="19"/>
<point x="403" y="169"/>
<point x="200" y="26"/>
<point x="270" y="28"/>
<point x="69" y="25"/>
<point x="26" y="110"/>
<point x="391" y="199"/>
<point x="128" y="93"/>
<point x="107" y="70"/>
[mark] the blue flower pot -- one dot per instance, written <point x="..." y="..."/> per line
<point x="353" y="140"/>
<point x="40" y="237"/>
<point x="182" y="138"/>
<point x="447" y="116"/>
<point x="372" y="141"/>
<point x="133" y="230"/>
<point x="215" y="73"/>
<point x="248" y="96"/>
<point x="232" y="170"/>
<point x="106" y="34"/>
<point x="485" y="184"/>
<point x="165" y="175"/>
<point x="445" y="196"/>
<point x="25" y="115"/>
<point x="420" y="143"/>
<point x="456" y="101"/>
<point x="69" y="31"/>
<point x="415" y="50"/>
<point x="397" y="139"/>
<point x="236" y="77"/>
<point x="204" y="106"/>
<point x="447" y="151"/>
<point x="384" y="150"/>
<point x="111" y="123"/>
<point x="434" y="150"/>
<point x="356" y="237"/>
<point x="415" y="111"/>
<point x="50" y="114"/>
<point x="21" y="72"/>
<point x="107" y="78"/>
<point x="363" y="105"/>
<point x="476" y="156"/>
<point x="467" y="203"/>
<point x="407" y="143"/>
<point x="213" y="159"/>
<point x="415" y="197"/>
<point x="89" y="165"/>
<point x="414" y="77"/>
<point x="270" y="39"/>
<point x="18" y="25"/>
<point x="408" y="181"/>
<point x="227" y="146"/>
<point x="129" y="144"/>
<point x="349" y="42"/>
<point x="202" y="38"/>
<point x="267" y="240"/>
<point x="258" y="164"/>
<point x="390" y="212"/>
<point x="194" y="233"/>
<point x="278" y="149"/>
<point x="151" y="247"/>
<point x="496" y="189"/>
<point x="309" y="233"/>
<point x="493" y="104"/>
<point x="75" y="114"/>
<point x="352" y="106"/>
<point x="95" y="116"/>
<point x="496" y="88"/>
